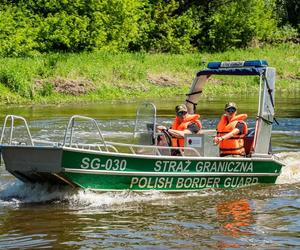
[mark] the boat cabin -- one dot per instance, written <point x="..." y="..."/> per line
<point x="258" y="139"/>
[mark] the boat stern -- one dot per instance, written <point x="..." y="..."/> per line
<point x="33" y="164"/>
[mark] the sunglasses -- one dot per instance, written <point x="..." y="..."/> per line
<point x="231" y="110"/>
<point x="181" y="113"/>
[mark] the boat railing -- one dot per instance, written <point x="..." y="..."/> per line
<point x="136" y="149"/>
<point x="70" y="130"/>
<point x="12" y="119"/>
<point x="38" y="142"/>
<point x="156" y="150"/>
<point x="108" y="146"/>
<point x="96" y="147"/>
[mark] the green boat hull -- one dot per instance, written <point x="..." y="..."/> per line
<point x="112" y="171"/>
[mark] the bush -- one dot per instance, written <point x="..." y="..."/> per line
<point x="62" y="32"/>
<point x="165" y="27"/>
<point x="67" y="26"/>
<point x="236" y="23"/>
<point x="14" y="80"/>
<point x="46" y="89"/>
<point x="18" y="32"/>
<point x="30" y="27"/>
<point x="285" y="34"/>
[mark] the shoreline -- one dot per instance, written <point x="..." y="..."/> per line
<point x="97" y="76"/>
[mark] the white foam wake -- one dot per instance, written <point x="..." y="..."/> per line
<point x="90" y="199"/>
<point x="291" y="171"/>
<point x="18" y="193"/>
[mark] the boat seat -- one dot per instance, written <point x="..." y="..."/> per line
<point x="248" y="140"/>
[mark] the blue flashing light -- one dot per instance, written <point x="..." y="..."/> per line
<point x="214" y="65"/>
<point x="237" y="64"/>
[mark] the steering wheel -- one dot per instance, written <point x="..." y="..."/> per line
<point x="168" y="137"/>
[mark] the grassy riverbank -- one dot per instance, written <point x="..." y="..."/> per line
<point x="85" y="77"/>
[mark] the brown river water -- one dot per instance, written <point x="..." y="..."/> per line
<point x="256" y="217"/>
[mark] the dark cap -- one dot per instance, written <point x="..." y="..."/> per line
<point x="230" y="105"/>
<point x="181" y="107"/>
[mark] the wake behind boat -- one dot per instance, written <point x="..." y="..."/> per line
<point x="143" y="165"/>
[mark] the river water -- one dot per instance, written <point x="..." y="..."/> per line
<point x="262" y="216"/>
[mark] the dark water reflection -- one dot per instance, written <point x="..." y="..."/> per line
<point x="263" y="217"/>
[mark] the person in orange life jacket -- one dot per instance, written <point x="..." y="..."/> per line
<point x="184" y="123"/>
<point x="231" y="131"/>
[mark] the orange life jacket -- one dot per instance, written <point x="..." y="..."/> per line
<point x="235" y="144"/>
<point x="181" y="125"/>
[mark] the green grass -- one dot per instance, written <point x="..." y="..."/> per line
<point x="126" y="75"/>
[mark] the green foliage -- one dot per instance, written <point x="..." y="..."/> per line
<point x="47" y="89"/>
<point x="132" y="75"/>
<point x="61" y="32"/>
<point x="285" y="34"/>
<point x="67" y="26"/>
<point x="32" y="27"/>
<point x="18" y="32"/>
<point x="19" y="74"/>
<point x="165" y="28"/>
<point x="13" y="79"/>
<point x="105" y="25"/>
<point x="287" y="12"/>
<point x="236" y="23"/>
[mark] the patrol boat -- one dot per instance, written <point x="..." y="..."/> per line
<point x="142" y="166"/>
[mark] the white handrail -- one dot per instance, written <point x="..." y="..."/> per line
<point x="13" y="118"/>
<point x="70" y="126"/>
<point x="132" y="147"/>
